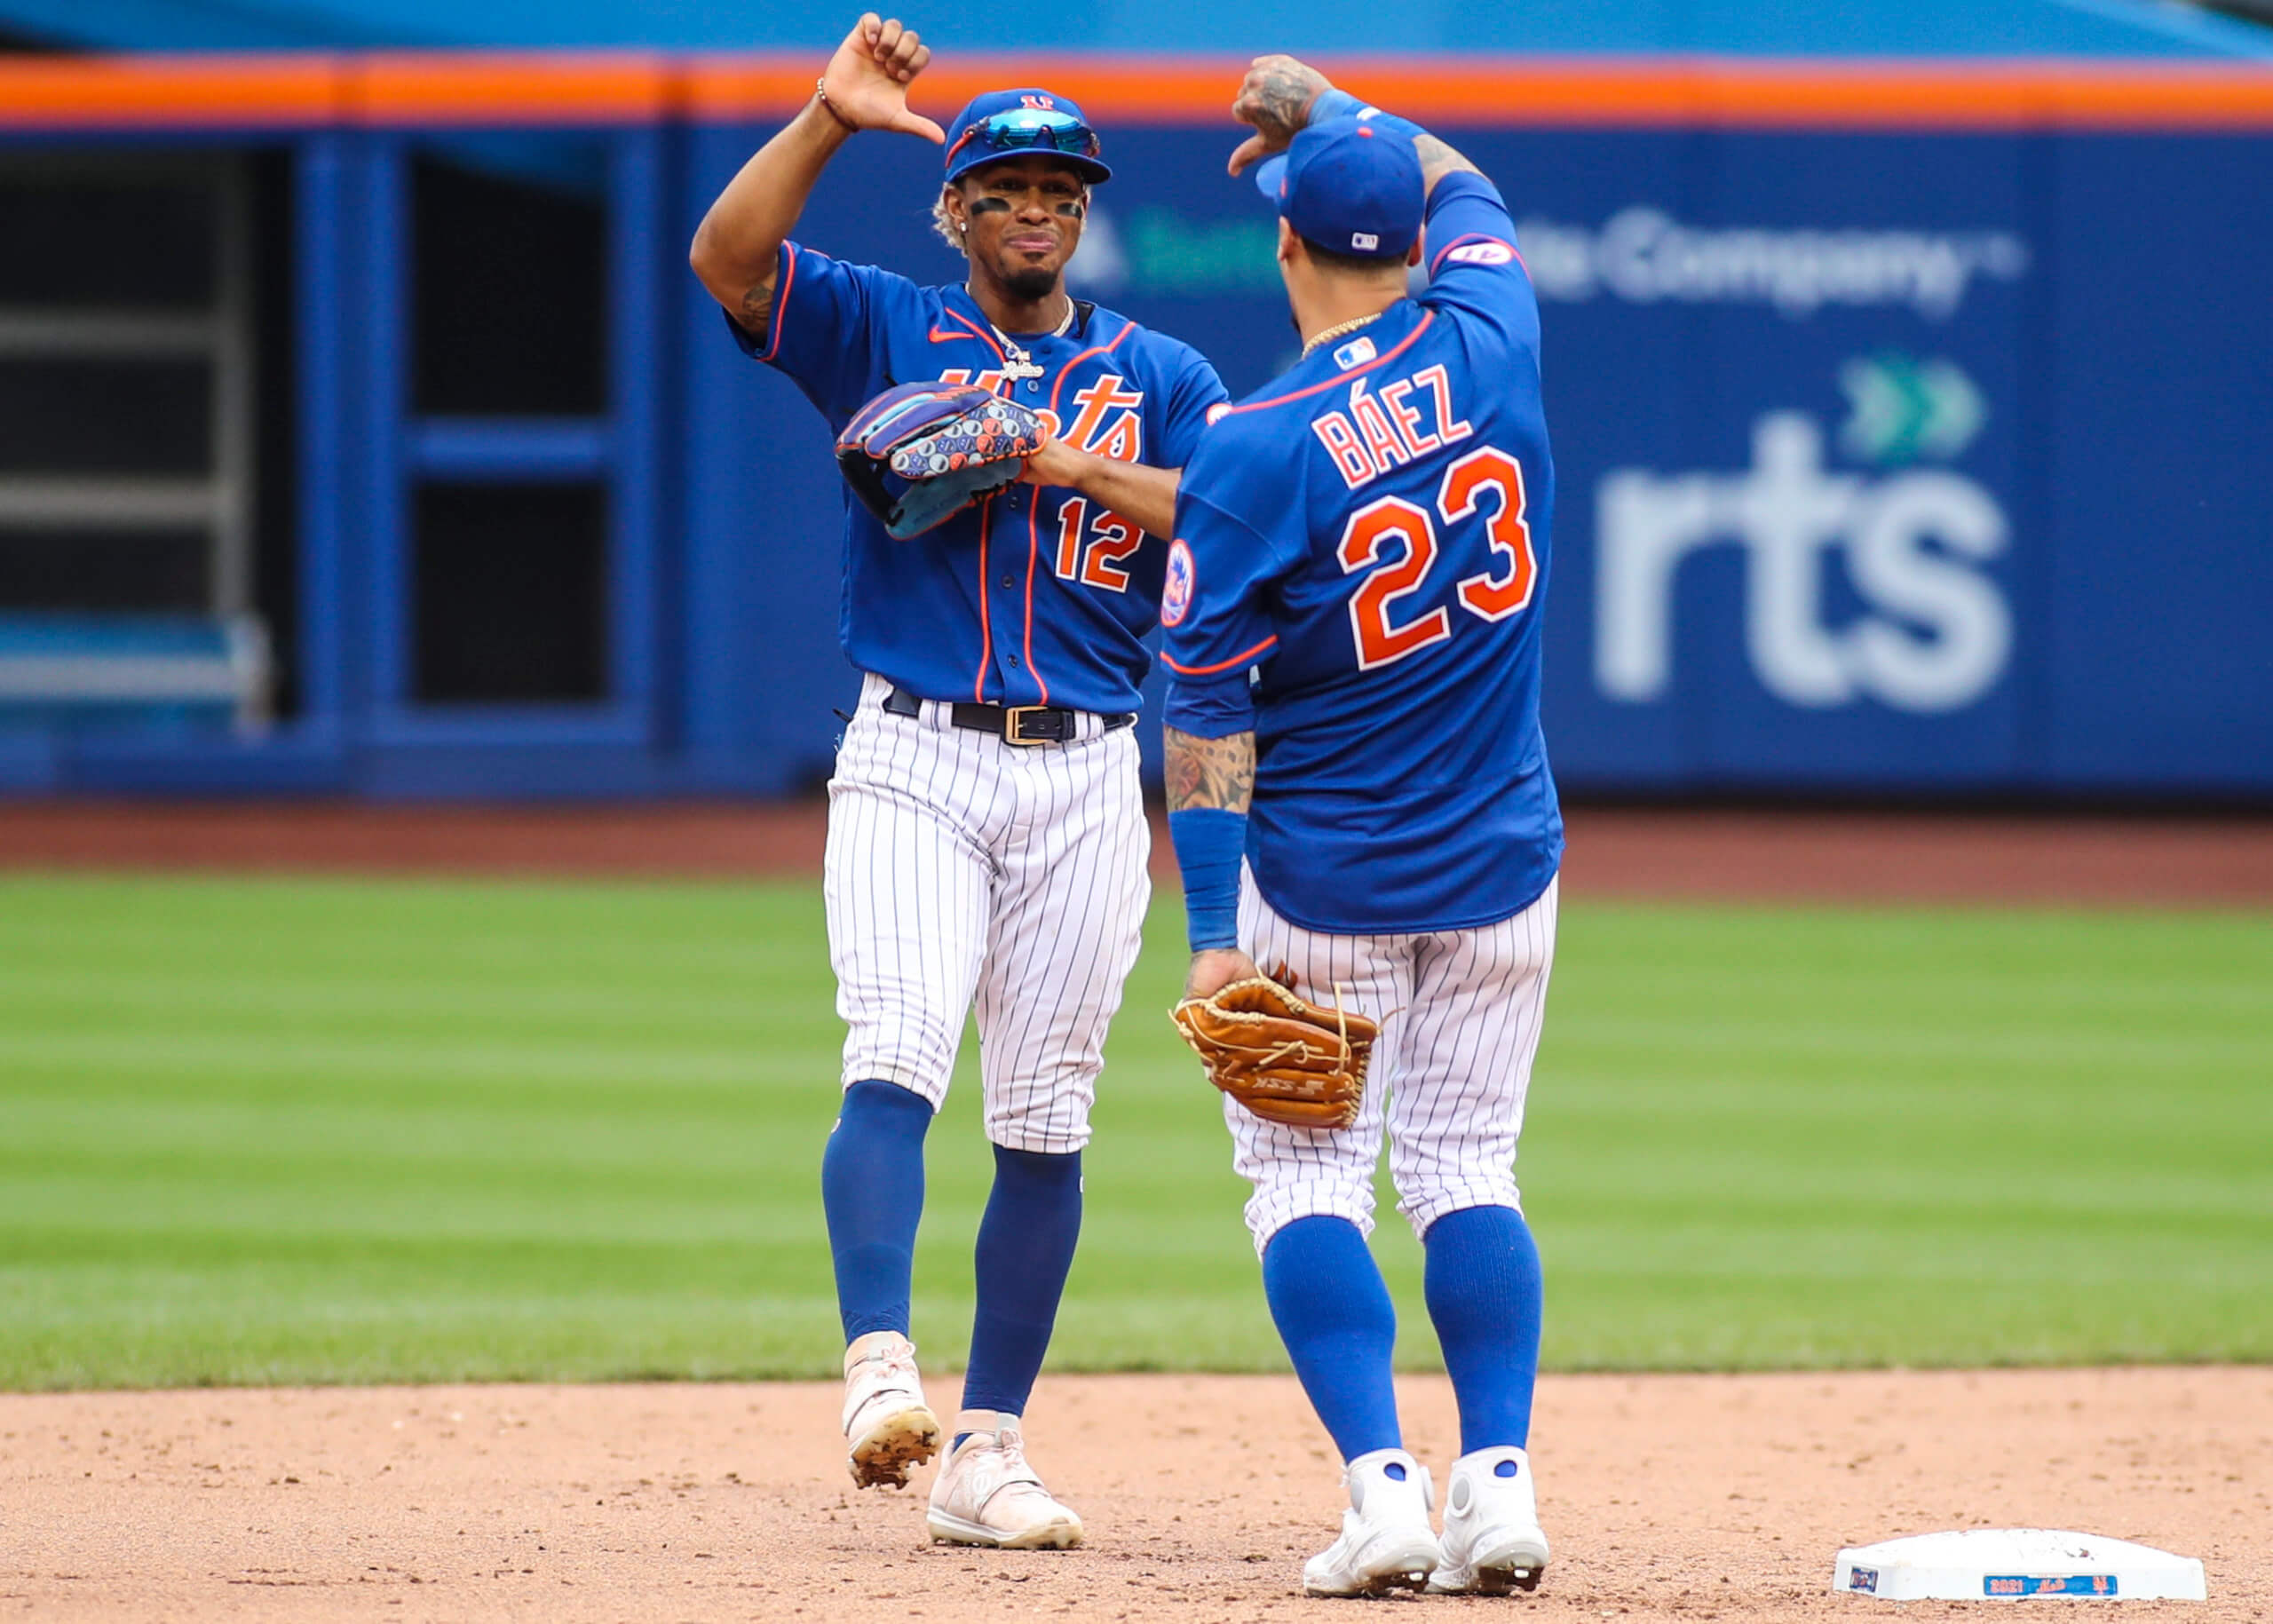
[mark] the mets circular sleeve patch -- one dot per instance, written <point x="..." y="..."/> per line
<point x="1175" y="592"/>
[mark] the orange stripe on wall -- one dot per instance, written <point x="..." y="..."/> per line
<point x="614" y="88"/>
<point x="115" y="92"/>
<point x="512" y="88"/>
<point x="1566" y="92"/>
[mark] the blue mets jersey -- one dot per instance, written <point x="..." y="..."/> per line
<point x="1360" y="561"/>
<point x="1038" y="595"/>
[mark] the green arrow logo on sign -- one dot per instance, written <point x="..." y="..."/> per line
<point x="1902" y="408"/>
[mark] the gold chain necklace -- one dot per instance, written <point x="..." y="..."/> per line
<point x="1338" y="330"/>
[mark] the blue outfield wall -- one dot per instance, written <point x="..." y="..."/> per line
<point x="1887" y="462"/>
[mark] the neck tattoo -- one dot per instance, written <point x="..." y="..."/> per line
<point x="1338" y="330"/>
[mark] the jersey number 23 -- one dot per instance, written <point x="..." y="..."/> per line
<point x="1485" y="481"/>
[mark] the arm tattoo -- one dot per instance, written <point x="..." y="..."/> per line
<point x="1209" y="773"/>
<point x="756" y="313"/>
<point x="1280" y="102"/>
<point x="1438" y="160"/>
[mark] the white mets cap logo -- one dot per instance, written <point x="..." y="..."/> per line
<point x="1175" y="592"/>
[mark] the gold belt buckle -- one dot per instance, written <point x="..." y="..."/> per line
<point x="1014" y="725"/>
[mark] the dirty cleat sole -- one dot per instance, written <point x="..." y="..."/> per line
<point x="1513" y="1561"/>
<point x="1501" y="1580"/>
<point x="880" y="1456"/>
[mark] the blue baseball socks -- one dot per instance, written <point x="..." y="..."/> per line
<point x="1485" y="1294"/>
<point x="1025" y="1249"/>
<point x="872" y="1191"/>
<point x="1486" y="1297"/>
<point x="1333" y="1311"/>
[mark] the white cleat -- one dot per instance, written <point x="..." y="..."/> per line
<point x="986" y="1494"/>
<point x="1493" y="1542"/>
<point x="1386" y="1542"/>
<point x="888" y="1428"/>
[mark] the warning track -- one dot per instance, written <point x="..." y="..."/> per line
<point x="1829" y="856"/>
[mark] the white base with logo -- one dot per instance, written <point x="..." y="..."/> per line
<point x="2000" y="1564"/>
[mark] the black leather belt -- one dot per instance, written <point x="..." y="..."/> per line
<point x="1012" y="724"/>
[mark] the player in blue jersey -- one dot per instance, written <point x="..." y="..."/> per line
<point x="1359" y="794"/>
<point x="986" y="837"/>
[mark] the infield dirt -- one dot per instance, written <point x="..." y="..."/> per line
<point x="1667" y="1496"/>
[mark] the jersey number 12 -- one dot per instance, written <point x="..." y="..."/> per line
<point x="1491" y="594"/>
<point x="1113" y="539"/>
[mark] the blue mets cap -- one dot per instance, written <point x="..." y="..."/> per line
<point x="1350" y="186"/>
<point x="1018" y="124"/>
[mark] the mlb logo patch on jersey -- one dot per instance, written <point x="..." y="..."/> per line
<point x="1357" y="353"/>
<point x="1175" y="590"/>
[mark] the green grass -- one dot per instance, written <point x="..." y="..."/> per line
<point x="330" y="1131"/>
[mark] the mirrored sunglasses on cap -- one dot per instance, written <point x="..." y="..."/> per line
<point x="1029" y="129"/>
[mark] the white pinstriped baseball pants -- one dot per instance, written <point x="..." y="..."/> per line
<point x="1460" y="1013"/>
<point x="959" y="868"/>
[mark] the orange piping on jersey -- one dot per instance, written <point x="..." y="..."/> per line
<point x="1340" y="378"/>
<point x="938" y="337"/>
<point x="984" y="337"/>
<point x="1243" y="657"/>
<point x="1126" y="328"/>
<point x="985" y="622"/>
<point x="1033" y="508"/>
<point x="1034" y="555"/>
<point x="781" y="302"/>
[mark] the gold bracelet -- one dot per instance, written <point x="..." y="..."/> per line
<point x="820" y="94"/>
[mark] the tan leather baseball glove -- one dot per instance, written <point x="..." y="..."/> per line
<point x="1282" y="1057"/>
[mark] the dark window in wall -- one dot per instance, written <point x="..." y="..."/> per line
<point x="276" y="459"/>
<point x="135" y="234"/>
<point x="88" y="240"/>
<point x="108" y="572"/>
<point x="512" y="602"/>
<point x="100" y="416"/>
<point x="136" y="245"/>
<point x="509" y="281"/>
